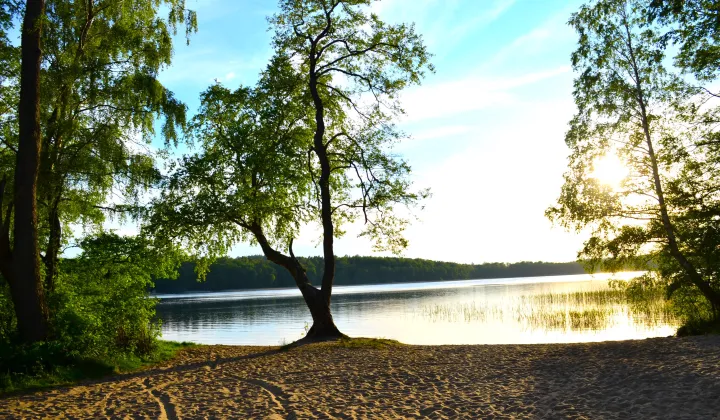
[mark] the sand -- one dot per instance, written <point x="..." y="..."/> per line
<point x="655" y="378"/>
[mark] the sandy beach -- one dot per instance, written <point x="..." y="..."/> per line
<point x="675" y="378"/>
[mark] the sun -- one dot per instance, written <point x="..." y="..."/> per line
<point x="609" y="170"/>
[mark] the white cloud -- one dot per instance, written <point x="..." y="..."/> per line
<point x="469" y="94"/>
<point x="489" y="199"/>
<point x="444" y="132"/>
<point x="551" y="35"/>
<point x="442" y="22"/>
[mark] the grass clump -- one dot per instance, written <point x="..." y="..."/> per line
<point x="347" y="342"/>
<point x="565" y="311"/>
<point x="366" y="343"/>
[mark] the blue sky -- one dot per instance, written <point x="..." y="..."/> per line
<point x="487" y="128"/>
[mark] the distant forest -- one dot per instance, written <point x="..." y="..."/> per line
<point x="256" y="272"/>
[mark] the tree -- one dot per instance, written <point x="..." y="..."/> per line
<point x="97" y="115"/>
<point x="694" y="25"/>
<point x="100" y="111"/>
<point x="21" y="265"/>
<point x="309" y="144"/>
<point x="629" y="104"/>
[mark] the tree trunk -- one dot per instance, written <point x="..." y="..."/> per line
<point x="52" y="250"/>
<point x="320" y="149"/>
<point x="712" y="295"/>
<point x="323" y="327"/>
<point x="26" y="286"/>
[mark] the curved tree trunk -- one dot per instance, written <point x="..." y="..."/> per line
<point x="320" y="149"/>
<point x="323" y="327"/>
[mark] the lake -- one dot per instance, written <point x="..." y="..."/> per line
<point x="556" y="309"/>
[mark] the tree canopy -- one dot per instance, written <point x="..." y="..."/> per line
<point x="310" y="143"/>
<point x="693" y="25"/>
<point x="97" y="110"/>
<point x="630" y="104"/>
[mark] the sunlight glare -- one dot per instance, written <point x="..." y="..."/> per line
<point x="610" y="170"/>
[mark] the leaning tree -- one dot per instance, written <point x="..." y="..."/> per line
<point x="662" y="128"/>
<point x="311" y="143"/>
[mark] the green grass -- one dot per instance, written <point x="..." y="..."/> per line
<point x="366" y="343"/>
<point x="347" y="342"/>
<point x="55" y="371"/>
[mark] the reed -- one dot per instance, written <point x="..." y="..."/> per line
<point x="571" y="311"/>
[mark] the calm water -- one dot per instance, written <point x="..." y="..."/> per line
<point x="486" y="311"/>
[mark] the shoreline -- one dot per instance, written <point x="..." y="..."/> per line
<point x="347" y="289"/>
<point x="650" y="378"/>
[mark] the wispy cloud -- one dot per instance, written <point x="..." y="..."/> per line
<point x="444" y="132"/>
<point x="443" y="23"/>
<point x="200" y="67"/>
<point x="482" y="19"/>
<point x="468" y="94"/>
<point x="550" y="35"/>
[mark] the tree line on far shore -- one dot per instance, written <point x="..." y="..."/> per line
<point x="256" y="272"/>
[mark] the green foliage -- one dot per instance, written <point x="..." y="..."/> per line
<point x="102" y="306"/>
<point x="100" y="102"/>
<point x="686" y="304"/>
<point x="692" y="25"/>
<point x="354" y="66"/>
<point x="42" y="365"/>
<point x="101" y="107"/>
<point x="662" y="128"/>
<point x="251" y="170"/>
<point x="367" y="343"/>
<point x="277" y="156"/>
<point x="346" y="343"/>
<point x="699" y="327"/>
<point x="102" y="315"/>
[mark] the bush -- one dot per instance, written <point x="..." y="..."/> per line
<point x="102" y="301"/>
<point x="699" y="327"/>
<point x="685" y="303"/>
<point x="100" y="309"/>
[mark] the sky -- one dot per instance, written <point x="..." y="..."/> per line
<point x="487" y="128"/>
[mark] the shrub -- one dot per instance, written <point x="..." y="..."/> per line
<point x="100" y="308"/>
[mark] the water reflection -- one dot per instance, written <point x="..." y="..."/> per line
<point x="528" y="310"/>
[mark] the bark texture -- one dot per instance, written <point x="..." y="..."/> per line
<point x="24" y="259"/>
